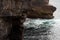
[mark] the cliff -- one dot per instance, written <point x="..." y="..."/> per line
<point x="13" y="14"/>
<point x="44" y="12"/>
<point x="41" y="9"/>
<point x="33" y="8"/>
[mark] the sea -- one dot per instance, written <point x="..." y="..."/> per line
<point x="53" y="25"/>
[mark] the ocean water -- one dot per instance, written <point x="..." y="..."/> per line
<point x="39" y="29"/>
<point x="53" y="25"/>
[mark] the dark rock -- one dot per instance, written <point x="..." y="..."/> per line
<point x="37" y="3"/>
<point x="44" y="12"/>
<point x="13" y="14"/>
<point x="35" y="8"/>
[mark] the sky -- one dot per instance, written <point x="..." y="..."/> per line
<point x="56" y="28"/>
<point x="56" y="3"/>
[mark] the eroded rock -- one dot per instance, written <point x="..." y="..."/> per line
<point x="14" y="9"/>
<point x="45" y="12"/>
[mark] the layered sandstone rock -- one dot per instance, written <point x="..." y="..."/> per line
<point x="45" y="12"/>
<point x="41" y="9"/>
<point x="33" y="8"/>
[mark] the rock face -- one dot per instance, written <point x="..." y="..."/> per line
<point x="11" y="20"/>
<point x="13" y="14"/>
<point x="44" y="12"/>
<point x="41" y="9"/>
<point x="33" y="8"/>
